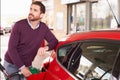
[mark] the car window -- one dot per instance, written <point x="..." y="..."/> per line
<point x="116" y="68"/>
<point x="89" y="59"/>
<point x="69" y="56"/>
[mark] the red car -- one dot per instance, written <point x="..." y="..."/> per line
<point x="93" y="55"/>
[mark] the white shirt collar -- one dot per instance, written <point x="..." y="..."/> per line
<point x="31" y="25"/>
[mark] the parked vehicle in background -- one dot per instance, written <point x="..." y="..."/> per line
<point x="92" y="55"/>
<point x="2" y="31"/>
<point x="7" y="29"/>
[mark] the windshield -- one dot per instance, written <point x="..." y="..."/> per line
<point x="89" y="59"/>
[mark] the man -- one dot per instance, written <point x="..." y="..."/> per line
<point x="26" y="38"/>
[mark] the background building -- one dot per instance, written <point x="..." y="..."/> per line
<point x="66" y="16"/>
<point x="70" y="16"/>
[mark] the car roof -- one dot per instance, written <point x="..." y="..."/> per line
<point x="99" y="34"/>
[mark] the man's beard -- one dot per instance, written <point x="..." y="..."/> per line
<point x="32" y="17"/>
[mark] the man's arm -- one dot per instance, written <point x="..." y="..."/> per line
<point x="51" y="39"/>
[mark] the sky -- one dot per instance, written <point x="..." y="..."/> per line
<point x="12" y="10"/>
<point x="9" y="7"/>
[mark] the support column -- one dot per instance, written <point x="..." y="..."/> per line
<point x="119" y="11"/>
<point x="88" y="15"/>
<point x="75" y="17"/>
<point x="69" y="14"/>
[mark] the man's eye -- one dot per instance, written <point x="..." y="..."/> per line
<point x="35" y="10"/>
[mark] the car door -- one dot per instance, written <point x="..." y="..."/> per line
<point x="89" y="59"/>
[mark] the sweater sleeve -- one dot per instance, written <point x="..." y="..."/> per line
<point x="51" y="39"/>
<point x="12" y="46"/>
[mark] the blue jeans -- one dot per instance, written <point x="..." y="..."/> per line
<point x="10" y="68"/>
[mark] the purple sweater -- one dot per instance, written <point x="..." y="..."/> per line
<point x="24" y="43"/>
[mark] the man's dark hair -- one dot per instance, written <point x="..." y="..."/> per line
<point x="42" y="7"/>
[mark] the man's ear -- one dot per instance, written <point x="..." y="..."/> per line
<point x="41" y="15"/>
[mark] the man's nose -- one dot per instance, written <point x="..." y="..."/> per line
<point x="31" y="11"/>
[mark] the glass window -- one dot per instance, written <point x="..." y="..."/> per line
<point x="102" y="16"/>
<point x="69" y="56"/>
<point x="116" y="68"/>
<point x="77" y="21"/>
<point x="80" y="17"/>
<point x="89" y="60"/>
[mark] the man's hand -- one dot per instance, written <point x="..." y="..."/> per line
<point x="25" y="71"/>
<point x="42" y="50"/>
